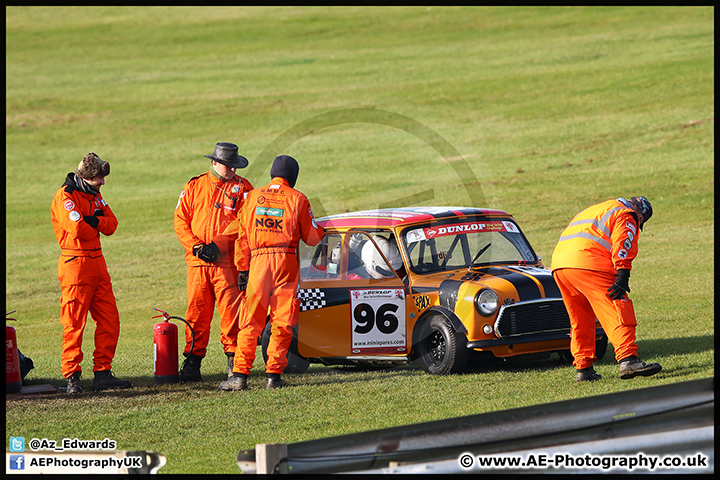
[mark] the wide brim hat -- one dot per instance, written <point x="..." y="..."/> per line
<point x="227" y="154"/>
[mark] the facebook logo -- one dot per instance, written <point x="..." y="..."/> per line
<point x="17" y="462"/>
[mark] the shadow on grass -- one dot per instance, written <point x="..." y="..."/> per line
<point x="654" y="349"/>
<point x="663" y="347"/>
<point x="145" y="385"/>
<point x="649" y="350"/>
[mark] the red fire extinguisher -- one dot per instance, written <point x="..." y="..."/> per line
<point x="13" y="379"/>
<point x="165" y="348"/>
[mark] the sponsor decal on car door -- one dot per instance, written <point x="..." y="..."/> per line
<point x="378" y="321"/>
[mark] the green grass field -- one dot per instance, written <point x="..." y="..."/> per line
<point x="536" y="111"/>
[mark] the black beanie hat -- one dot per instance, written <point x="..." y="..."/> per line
<point x="286" y="167"/>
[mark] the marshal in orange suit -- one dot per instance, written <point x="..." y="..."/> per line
<point x="273" y="220"/>
<point x="79" y="215"/>
<point x="591" y="264"/>
<point x="205" y="225"/>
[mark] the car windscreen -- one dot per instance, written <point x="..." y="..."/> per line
<point x="461" y="243"/>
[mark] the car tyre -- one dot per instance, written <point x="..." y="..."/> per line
<point x="296" y="362"/>
<point x="441" y="349"/>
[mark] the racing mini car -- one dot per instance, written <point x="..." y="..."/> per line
<point x="431" y="286"/>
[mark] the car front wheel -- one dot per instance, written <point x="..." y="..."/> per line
<point x="441" y="350"/>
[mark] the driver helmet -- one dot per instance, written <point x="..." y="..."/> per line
<point x="642" y="205"/>
<point x="375" y="264"/>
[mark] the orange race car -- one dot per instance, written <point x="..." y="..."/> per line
<point x="430" y="285"/>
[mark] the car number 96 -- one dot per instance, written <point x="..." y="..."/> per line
<point x="378" y="318"/>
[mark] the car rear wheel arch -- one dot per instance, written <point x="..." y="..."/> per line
<point x="296" y="362"/>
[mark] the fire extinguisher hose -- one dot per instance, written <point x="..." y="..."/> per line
<point x="168" y="317"/>
<point x="192" y="334"/>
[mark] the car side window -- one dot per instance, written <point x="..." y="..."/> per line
<point x="364" y="257"/>
<point x="321" y="261"/>
<point x="354" y="266"/>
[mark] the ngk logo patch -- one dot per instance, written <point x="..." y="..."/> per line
<point x="269" y="223"/>
<point x="263" y="217"/>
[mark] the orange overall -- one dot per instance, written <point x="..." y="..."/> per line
<point x="83" y="276"/>
<point x="273" y="221"/>
<point x="206" y="212"/>
<point x="598" y="241"/>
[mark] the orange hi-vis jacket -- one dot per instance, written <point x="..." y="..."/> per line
<point x="75" y="237"/>
<point x="206" y="207"/>
<point x="273" y="220"/>
<point x="602" y="237"/>
<point x="84" y="279"/>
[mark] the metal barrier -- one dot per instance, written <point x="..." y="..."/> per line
<point x="592" y="423"/>
<point x="638" y="454"/>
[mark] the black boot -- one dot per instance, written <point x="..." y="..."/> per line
<point x="73" y="383"/>
<point x="230" y="362"/>
<point x="632" y="366"/>
<point x="236" y="381"/>
<point x="587" y="375"/>
<point x="105" y="380"/>
<point x="191" y="369"/>
<point x="274" y="381"/>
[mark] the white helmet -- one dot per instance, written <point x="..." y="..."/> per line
<point x="374" y="263"/>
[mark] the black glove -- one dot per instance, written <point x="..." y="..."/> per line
<point x="208" y="252"/>
<point x="92" y="220"/>
<point x="620" y="287"/>
<point x="242" y="280"/>
<point x="98" y="213"/>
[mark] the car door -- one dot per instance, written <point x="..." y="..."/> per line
<point x="344" y="311"/>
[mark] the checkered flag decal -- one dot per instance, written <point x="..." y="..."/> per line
<point x="311" y="299"/>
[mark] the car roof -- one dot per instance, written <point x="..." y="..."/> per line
<point x="394" y="217"/>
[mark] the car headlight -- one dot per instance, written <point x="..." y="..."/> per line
<point x="486" y="302"/>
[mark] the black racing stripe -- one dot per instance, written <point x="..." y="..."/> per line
<point x="448" y="293"/>
<point x="453" y="213"/>
<point x="441" y="215"/>
<point x="551" y="288"/>
<point x="336" y="296"/>
<point x="544" y="277"/>
<point x="527" y="289"/>
<point x="419" y="290"/>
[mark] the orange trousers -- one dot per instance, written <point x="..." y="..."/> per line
<point x="86" y="287"/>
<point x="585" y="296"/>
<point x="207" y="286"/>
<point x="272" y="284"/>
